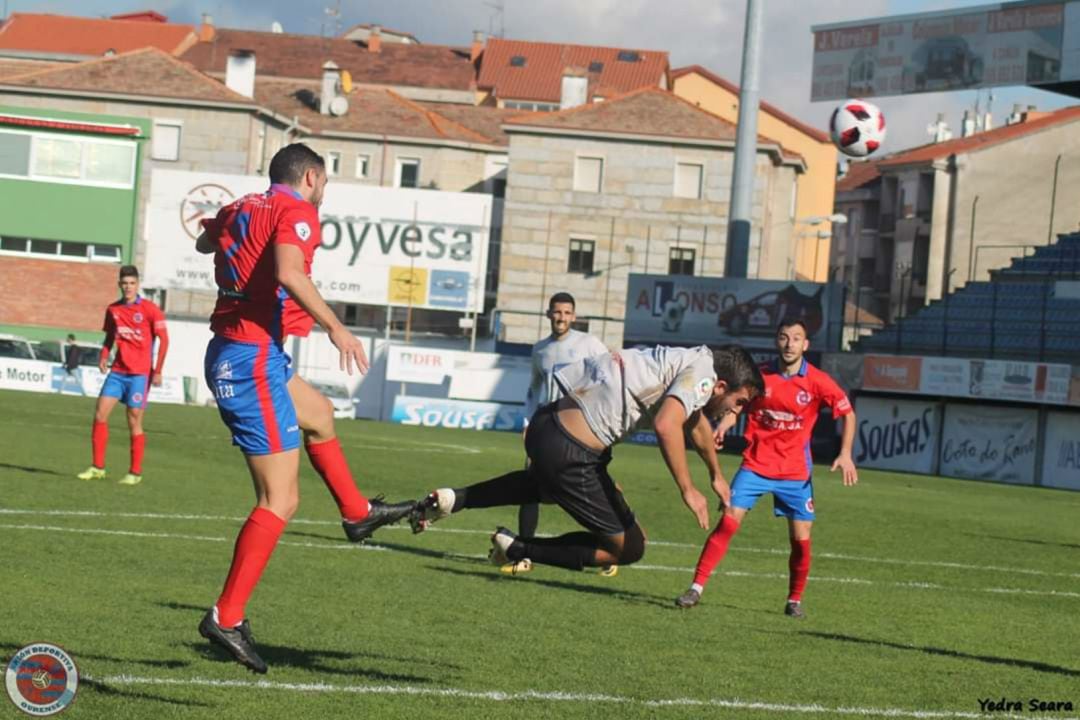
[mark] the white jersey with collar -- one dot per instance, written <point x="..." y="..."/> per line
<point x="549" y="355"/>
<point x="615" y="399"/>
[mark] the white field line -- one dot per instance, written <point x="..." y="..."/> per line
<point x="179" y="536"/>
<point x="540" y="696"/>
<point x="645" y="567"/>
<point x="464" y="531"/>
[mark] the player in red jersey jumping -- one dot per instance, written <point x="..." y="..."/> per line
<point x="263" y="246"/>
<point x="132" y="323"/>
<point x="777" y="460"/>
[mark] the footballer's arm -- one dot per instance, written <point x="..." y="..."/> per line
<point x="701" y="436"/>
<point x="843" y="460"/>
<point x="289" y="264"/>
<point x="668" y="425"/>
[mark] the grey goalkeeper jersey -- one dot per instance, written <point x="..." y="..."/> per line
<point x="549" y="355"/>
<point x="615" y="399"/>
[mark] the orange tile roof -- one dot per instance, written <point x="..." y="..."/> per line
<point x="372" y="111"/>
<point x="149" y="72"/>
<point x="285" y="55"/>
<point x="540" y="79"/>
<point x="648" y="111"/>
<point x="972" y="143"/>
<point x="858" y="174"/>
<point x="731" y="87"/>
<point x="483" y="119"/>
<point x="65" y="34"/>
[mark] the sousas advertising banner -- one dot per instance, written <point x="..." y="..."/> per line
<point x="666" y="309"/>
<point x="897" y="434"/>
<point x="380" y="246"/>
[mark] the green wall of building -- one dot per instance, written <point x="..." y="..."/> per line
<point x="76" y="213"/>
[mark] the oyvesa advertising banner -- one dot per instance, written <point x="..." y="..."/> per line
<point x="458" y="414"/>
<point x="897" y="434"/>
<point x="380" y="246"/>
<point x="989" y="443"/>
<point x="1061" y="456"/>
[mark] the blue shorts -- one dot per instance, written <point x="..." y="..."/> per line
<point x="793" y="499"/>
<point x="249" y="381"/>
<point x="130" y="389"/>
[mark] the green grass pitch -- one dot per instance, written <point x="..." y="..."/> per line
<point x="926" y="594"/>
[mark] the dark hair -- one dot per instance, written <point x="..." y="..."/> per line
<point x="561" y="297"/>
<point x="737" y="369"/>
<point x="71" y="337"/>
<point x="792" y="322"/>
<point x="292" y="161"/>
<point x="129" y="271"/>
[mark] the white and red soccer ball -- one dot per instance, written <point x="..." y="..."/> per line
<point x="857" y="127"/>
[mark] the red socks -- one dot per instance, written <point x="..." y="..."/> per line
<point x="138" y="442"/>
<point x="799" y="565"/>
<point x="254" y="545"/>
<point x="99" y="438"/>
<point x="328" y="460"/>
<point x="715" y="548"/>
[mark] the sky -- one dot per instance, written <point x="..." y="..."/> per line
<point x="694" y="32"/>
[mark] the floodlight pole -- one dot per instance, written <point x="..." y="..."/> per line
<point x="742" y="182"/>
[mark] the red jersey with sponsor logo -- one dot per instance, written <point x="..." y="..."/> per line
<point x="252" y="306"/>
<point x="780" y="422"/>
<point x="133" y="326"/>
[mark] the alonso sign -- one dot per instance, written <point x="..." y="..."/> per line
<point x="380" y="246"/>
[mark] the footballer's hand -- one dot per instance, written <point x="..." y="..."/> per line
<point x="847" y="465"/>
<point x="722" y="489"/>
<point x="103" y="366"/>
<point x="698" y="505"/>
<point x="156" y="380"/>
<point x="350" y="349"/>
<point x="726" y="423"/>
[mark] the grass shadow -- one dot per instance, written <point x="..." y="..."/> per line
<point x="312" y="659"/>
<point x="433" y="554"/>
<point x="613" y="593"/>
<point x="317" y="661"/>
<point x="6" y="647"/>
<point x="945" y="652"/>
<point x="29" y="469"/>
<point x="1028" y="541"/>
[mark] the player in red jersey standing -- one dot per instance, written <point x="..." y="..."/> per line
<point x="777" y="460"/>
<point x="132" y="323"/>
<point x="263" y="246"/>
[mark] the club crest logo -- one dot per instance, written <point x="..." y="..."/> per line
<point x="803" y="398"/>
<point x="41" y="679"/>
<point x="704" y="387"/>
<point x="303" y="230"/>
<point x="137" y="317"/>
<point x="223" y="371"/>
<point x="137" y="398"/>
<point x="810" y="505"/>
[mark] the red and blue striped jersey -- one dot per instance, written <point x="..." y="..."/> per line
<point x="133" y="327"/>
<point x="780" y="422"/>
<point x="252" y="306"/>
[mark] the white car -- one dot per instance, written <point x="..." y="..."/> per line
<point x="338" y="395"/>
<point x="15" y="346"/>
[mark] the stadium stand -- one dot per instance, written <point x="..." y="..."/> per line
<point x="1028" y="310"/>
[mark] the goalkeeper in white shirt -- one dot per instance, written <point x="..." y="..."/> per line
<point x="680" y="391"/>
<point x="562" y="347"/>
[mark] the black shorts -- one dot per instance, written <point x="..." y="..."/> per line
<point x="575" y="477"/>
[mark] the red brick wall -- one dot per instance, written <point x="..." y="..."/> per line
<point x="55" y="293"/>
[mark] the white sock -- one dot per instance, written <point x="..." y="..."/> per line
<point x="697" y="587"/>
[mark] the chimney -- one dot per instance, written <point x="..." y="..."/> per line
<point x="374" y="41"/>
<point x="575" y="88"/>
<point x="331" y="77"/>
<point x="477" y="46"/>
<point x="240" y="72"/>
<point x="967" y="125"/>
<point x="206" y="30"/>
<point x="939" y="129"/>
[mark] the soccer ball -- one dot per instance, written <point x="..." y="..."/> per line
<point x="857" y="128"/>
